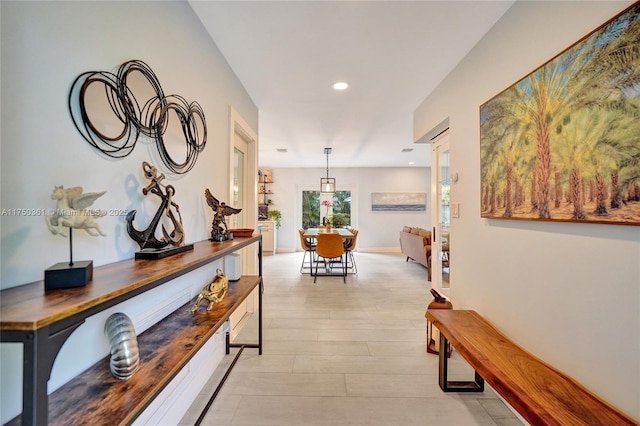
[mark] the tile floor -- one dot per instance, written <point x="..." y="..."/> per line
<point x="344" y="354"/>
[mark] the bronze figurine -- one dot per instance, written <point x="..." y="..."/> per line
<point x="219" y="230"/>
<point x="213" y="292"/>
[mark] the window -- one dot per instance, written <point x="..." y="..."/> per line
<point x="335" y="206"/>
<point x="310" y="209"/>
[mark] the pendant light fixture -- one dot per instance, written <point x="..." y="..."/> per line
<point x="327" y="185"/>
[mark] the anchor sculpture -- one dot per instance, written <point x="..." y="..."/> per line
<point x="152" y="247"/>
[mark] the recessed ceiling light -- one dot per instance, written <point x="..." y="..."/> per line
<point x="411" y="163"/>
<point x="341" y="85"/>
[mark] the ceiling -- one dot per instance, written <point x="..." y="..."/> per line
<point x="287" y="54"/>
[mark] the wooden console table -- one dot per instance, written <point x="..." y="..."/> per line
<point x="42" y="322"/>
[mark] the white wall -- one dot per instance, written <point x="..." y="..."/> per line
<point x="379" y="231"/>
<point x="45" y="46"/>
<point x="569" y="293"/>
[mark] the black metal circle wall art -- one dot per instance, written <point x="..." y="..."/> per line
<point x="131" y="118"/>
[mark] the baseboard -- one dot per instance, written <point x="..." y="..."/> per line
<point x="286" y="250"/>
<point x="393" y="250"/>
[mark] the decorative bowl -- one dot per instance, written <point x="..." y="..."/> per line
<point x="242" y="232"/>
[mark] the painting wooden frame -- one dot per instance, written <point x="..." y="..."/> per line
<point x="563" y="143"/>
<point x="398" y="201"/>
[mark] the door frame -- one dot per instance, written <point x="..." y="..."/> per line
<point x="442" y="140"/>
<point x="237" y="125"/>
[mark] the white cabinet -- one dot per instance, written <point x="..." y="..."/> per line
<point x="269" y="236"/>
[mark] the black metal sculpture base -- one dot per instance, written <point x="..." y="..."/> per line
<point x="219" y="237"/>
<point x="153" y="254"/>
<point x="66" y="275"/>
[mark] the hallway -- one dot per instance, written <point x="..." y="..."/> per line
<point x="344" y="354"/>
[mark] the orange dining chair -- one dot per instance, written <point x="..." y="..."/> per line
<point x="330" y="247"/>
<point x="349" y="246"/>
<point x="309" y="246"/>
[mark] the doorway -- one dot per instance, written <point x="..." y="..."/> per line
<point x="440" y="213"/>
<point x="239" y="181"/>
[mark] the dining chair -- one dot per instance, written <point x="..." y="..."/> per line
<point x="309" y="246"/>
<point x="330" y="248"/>
<point x="349" y="246"/>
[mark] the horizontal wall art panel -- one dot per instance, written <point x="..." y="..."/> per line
<point x="398" y="201"/>
<point x="562" y="143"/>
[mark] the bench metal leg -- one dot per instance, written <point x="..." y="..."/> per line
<point x="454" y="386"/>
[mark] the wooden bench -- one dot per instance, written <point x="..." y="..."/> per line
<point x="540" y="393"/>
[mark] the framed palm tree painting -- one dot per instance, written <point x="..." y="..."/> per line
<point x="563" y="143"/>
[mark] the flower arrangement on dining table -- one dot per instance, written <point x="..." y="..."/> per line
<point x="327" y="204"/>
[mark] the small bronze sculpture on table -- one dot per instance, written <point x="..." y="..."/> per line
<point x="219" y="230"/>
<point x="150" y="246"/>
<point x="213" y="292"/>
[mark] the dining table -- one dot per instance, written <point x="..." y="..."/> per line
<point x="312" y="233"/>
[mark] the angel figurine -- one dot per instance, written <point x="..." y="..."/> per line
<point x="72" y="211"/>
<point x="219" y="230"/>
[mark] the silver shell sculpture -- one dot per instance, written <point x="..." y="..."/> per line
<point x="125" y="357"/>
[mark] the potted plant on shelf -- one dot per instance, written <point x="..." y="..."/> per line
<point x="276" y="216"/>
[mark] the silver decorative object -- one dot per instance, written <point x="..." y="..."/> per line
<point x="125" y="357"/>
